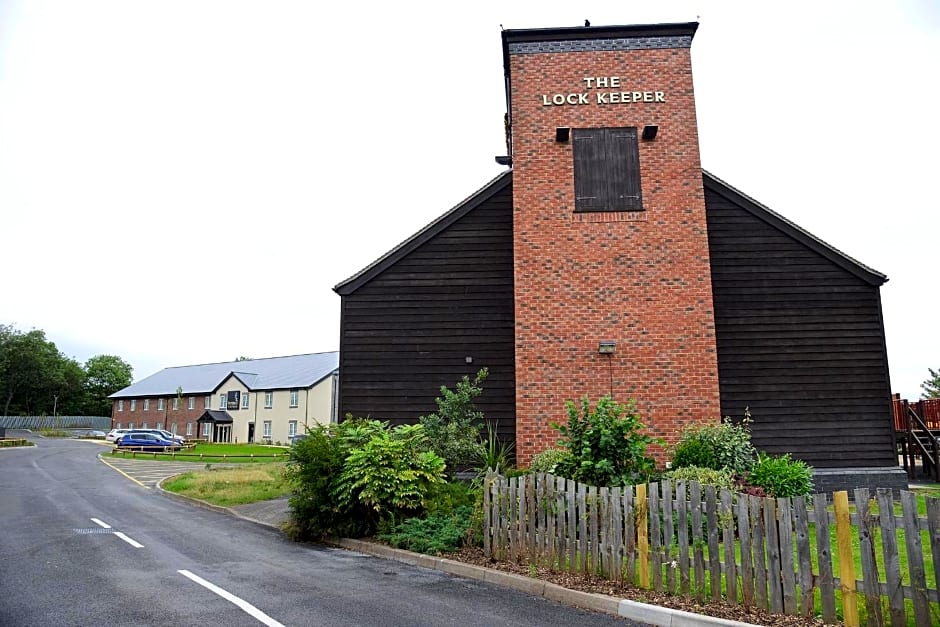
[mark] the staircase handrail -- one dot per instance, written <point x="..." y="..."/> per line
<point x="914" y="419"/>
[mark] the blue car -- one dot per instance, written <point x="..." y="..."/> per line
<point x="146" y="441"/>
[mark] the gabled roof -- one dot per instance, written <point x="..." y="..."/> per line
<point x="215" y="415"/>
<point x="392" y="257"/>
<point x="273" y="373"/>
<point x="710" y="182"/>
<point x="774" y="219"/>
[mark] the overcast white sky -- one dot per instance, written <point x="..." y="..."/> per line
<point x="185" y="181"/>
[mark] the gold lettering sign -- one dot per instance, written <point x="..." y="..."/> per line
<point x="603" y="90"/>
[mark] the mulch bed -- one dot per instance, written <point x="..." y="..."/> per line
<point x="598" y="585"/>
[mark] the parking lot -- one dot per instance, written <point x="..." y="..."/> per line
<point x="149" y="473"/>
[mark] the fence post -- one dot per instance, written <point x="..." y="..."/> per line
<point x="643" y="542"/>
<point x="840" y="501"/>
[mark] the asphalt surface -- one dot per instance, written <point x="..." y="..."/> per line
<point x="83" y="544"/>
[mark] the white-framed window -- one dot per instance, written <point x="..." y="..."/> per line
<point x="173" y="428"/>
<point x="146" y="404"/>
<point x="133" y="404"/>
<point x="117" y="425"/>
<point x="245" y="396"/>
<point x="207" y="402"/>
<point x="189" y="429"/>
<point x="267" y="429"/>
<point x="206" y="429"/>
<point x="292" y="428"/>
<point x="268" y="400"/>
<point x="120" y="405"/>
<point x="222" y="401"/>
<point x="192" y="402"/>
<point x="176" y="403"/>
<point x="159" y="404"/>
<point x="293" y="398"/>
<point x="130" y="425"/>
<point x="146" y="426"/>
<point x="159" y="426"/>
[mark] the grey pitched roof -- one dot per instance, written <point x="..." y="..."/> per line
<point x="273" y="373"/>
<point x="215" y="415"/>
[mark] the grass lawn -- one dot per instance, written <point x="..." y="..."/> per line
<point x="216" y="453"/>
<point x="233" y="486"/>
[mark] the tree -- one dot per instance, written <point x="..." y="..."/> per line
<point x="931" y="386"/>
<point x="453" y="431"/>
<point x="105" y="375"/>
<point x="35" y="377"/>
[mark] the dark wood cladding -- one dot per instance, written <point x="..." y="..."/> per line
<point x="800" y="341"/>
<point x="408" y="330"/>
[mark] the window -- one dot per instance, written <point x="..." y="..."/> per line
<point x="222" y="401"/>
<point x="245" y="400"/>
<point x="120" y="405"/>
<point x="206" y="429"/>
<point x="292" y="428"/>
<point x="293" y="398"/>
<point x="159" y="426"/>
<point x="117" y="425"/>
<point x="192" y="402"/>
<point x="176" y="403"/>
<point x="146" y="404"/>
<point x="267" y="429"/>
<point x="173" y="428"/>
<point x="160" y="404"/>
<point x="146" y="426"/>
<point x="133" y="404"/>
<point x="130" y="425"/>
<point x="606" y="169"/>
<point x="268" y="400"/>
<point x="207" y="402"/>
<point x="189" y="429"/>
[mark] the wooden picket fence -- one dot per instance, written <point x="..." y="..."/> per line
<point x="694" y="540"/>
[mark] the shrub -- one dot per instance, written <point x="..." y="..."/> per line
<point x="434" y="535"/>
<point x="391" y="473"/>
<point x="782" y="476"/>
<point x="605" y="443"/>
<point x="453" y="431"/>
<point x="725" y="445"/>
<point x="548" y="460"/>
<point x="493" y="454"/>
<point x="723" y="478"/>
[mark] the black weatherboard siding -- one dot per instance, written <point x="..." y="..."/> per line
<point x="800" y="337"/>
<point x="410" y="321"/>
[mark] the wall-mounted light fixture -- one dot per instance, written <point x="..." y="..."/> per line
<point x="607" y="347"/>
<point x="649" y="132"/>
<point x="504" y="160"/>
<point x="468" y="359"/>
<point x="562" y="134"/>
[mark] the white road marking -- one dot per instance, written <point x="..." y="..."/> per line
<point x="133" y="543"/>
<point x="101" y="524"/>
<point x="246" y="607"/>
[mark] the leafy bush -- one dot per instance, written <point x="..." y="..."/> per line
<point x="706" y="476"/>
<point x="549" y="460"/>
<point x="351" y="477"/>
<point x="453" y="431"/>
<point x="315" y="464"/>
<point x="782" y="476"/>
<point x="391" y="473"/>
<point x="434" y="535"/>
<point x="725" y="445"/>
<point x="605" y="443"/>
<point x="446" y="497"/>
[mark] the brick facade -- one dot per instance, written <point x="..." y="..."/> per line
<point x="641" y="278"/>
<point x="167" y="417"/>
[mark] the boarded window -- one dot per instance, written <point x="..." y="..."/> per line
<point x="606" y="169"/>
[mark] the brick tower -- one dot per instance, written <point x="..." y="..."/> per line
<point x="613" y="291"/>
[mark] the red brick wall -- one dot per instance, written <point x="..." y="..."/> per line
<point x="167" y="416"/>
<point x="639" y="278"/>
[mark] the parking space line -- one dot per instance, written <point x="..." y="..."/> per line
<point x="122" y="472"/>
<point x="100" y="523"/>
<point x="245" y="606"/>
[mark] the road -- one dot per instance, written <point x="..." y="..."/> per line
<point x="83" y="545"/>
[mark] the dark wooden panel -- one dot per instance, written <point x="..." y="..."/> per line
<point x="409" y="330"/>
<point x="800" y="343"/>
